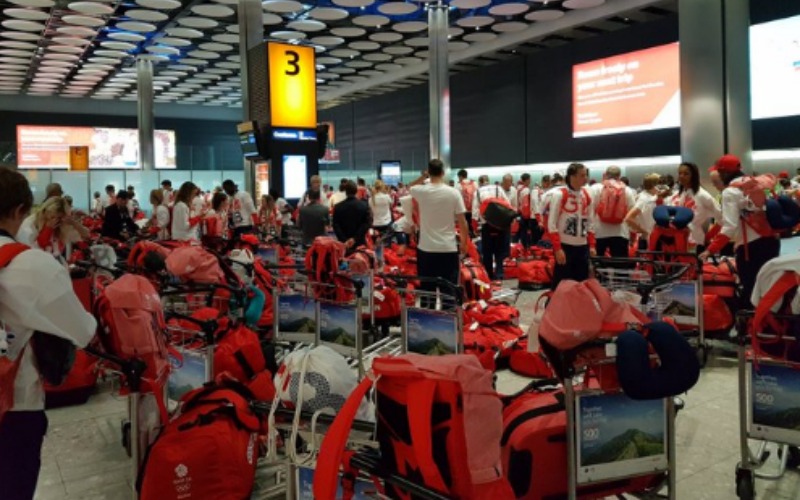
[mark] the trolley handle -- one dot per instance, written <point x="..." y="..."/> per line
<point x="264" y="407"/>
<point x="115" y="271"/>
<point x="369" y="461"/>
<point x="456" y="290"/>
<point x="207" y="326"/>
<point x="133" y="369"/>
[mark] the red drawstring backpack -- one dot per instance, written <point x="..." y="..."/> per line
<point x="582" y="311"/>
<point x="439" y="425"/>
<point x="195" y="264"/>
<point x="612" y="206"/>
<point x="322" y="264"/>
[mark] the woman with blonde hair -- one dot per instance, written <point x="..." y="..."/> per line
<point x="640" y="218"/>
<point x="159" y="222"/>
<point x="269" y="216"/>
<point x="52" y="228"/>
<point x="381" y="205"/>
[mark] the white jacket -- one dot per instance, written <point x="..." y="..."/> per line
<point x="182" y="230"/>
<point x="770" y="273"/>
<point x="574" y="223"/>
<point x="36" y="295"/>
<point x="734" y="203"/>
<point x="704" y="206"/>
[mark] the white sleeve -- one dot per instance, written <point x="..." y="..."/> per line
<point x="554" y="211"/>
<point x="713" y="206"/>
<point x="180" y="220"/>
<point x="162" y="216"/>
<point x="476" y="205"/>
<point x="460" y="208"/>
<point x="249" y="206"/>
<point x="730" y="212"/>
<point x="39" y="296"/>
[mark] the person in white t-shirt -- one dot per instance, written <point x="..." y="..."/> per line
<point x="36" y="295"/>
<point x="169" y="194"/>
<point x="339" y="196"/>
<point x="441" y="207"/>
<point x="159" y="224"/>
<point x="380" y="202"/>
<point x="640" y="217"/>
<point x="241" y="209"/>
<point x="511" y="192"/>
<point x="611" y="236"/>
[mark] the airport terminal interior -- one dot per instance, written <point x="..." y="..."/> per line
<point x="235" y="114"/>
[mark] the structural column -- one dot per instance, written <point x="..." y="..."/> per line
<point x="715" y="81"/>
<point x="144" y="111"/>
<point x="439" y="83"/>
<point x="251" y="34"/>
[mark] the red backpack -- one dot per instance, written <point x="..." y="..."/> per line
<point x="439" y="426"/>
<point x="468" y="189"/>
<point x="238" y="353"/>
<point x="210" y="450"/>
<point x="132" y="326"/>
<point x="756" y="190"/>
<point x="8" y="367"/>
<point x="475" y="281"/>
<point x="612" y="206"/>
<point x="524" y="203"/>
<point x="720" y="280"/>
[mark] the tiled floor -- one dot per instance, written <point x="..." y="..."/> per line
<point x="83" y="457"/>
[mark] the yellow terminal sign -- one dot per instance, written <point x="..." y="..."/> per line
<point x="292" y="86"/>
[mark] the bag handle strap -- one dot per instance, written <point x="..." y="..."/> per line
<point x="769" y="299"/>
<point x="9" y="251"/>
<point x="332" y="450"/>
<point x="420" y="411"/>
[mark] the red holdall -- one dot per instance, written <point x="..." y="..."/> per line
<point x="720" y="279"/>
<point x="77" y="387"/>
<point x="238" y="353"/>
<point x="209" y="451"/>
<point x="476" y="282"/>
<point x="490" y="312"/>
<point x="717" y="317"/>
<point x="534" y="274"/>
<point x="534" y="450"/>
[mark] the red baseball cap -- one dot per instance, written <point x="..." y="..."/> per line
<point x="784" y="174"/>
<point x="728" y="164"/>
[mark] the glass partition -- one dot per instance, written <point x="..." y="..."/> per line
<point x="75" y="184"/>
<point x="177" y="177"/>
<point x="143" y="182"/>
<point x="236" y="176"/>
<point x="99" y="179"/>
<point x="38" y="180"/>
<point x="207" y="180"/>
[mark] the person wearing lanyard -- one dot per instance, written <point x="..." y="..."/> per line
<point x="36" y="295"/>
<point x="691" y="195"/>
<point x="570" y="225"/>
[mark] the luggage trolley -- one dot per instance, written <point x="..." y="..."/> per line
<point x="768" y="389"/>
<point x="590" y="407"/>
<point x="430" y="327"/>
<point x="679" y="294"/>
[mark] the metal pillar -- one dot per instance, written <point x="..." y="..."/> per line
<point x="144" y="111"/>
<point x="715" y="81"/>
<point x="251" y="34"/>
<point x="439" y="83"/>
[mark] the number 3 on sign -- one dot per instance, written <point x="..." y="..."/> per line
<point x="292" y="59"/>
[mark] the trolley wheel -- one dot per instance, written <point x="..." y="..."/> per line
<point x="745" y="483"/>
<point x="126" y="437"/>
<point x="702" y="354"/>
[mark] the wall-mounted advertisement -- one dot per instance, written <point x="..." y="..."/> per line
<point x="775" y="403"/>
<point x="619" y="437"/>
<point x="295" y="176"/>
<point x="775" y="68"/>
<point x="627" y="93"/>
<point x="331" y="153"/>
<point x="44" y="147"/>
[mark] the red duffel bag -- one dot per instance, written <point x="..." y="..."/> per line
<point x="534" y="274"/>
<point x="717" y="317"/>
<point x="720" y="279"/>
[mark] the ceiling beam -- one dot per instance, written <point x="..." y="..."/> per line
<point x="573" y="19"/>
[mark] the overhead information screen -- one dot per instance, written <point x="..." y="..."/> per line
<point x="775" y="68"/>
<point x="627" y="93"/>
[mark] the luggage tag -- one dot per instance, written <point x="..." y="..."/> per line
<point x="611" y="350"/>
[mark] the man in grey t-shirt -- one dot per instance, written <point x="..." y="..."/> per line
<point x="314" y="218"/>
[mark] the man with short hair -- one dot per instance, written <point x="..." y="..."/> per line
<point x="495" y="243"/>
<point x="467" y="188"/>
<point x="242" y="209"/>
<point x="166" y="190"/>
<point x="441" y="207"/>
<point x="315" y="184"/>
<point x="117" y="221"/>
<point x="612" y="236"/>
<point x="109" y="199"/>
<point x="36" y="295"/>
<point x="314" y="218"/>
<point x="352" y="218"/>
<point x="53" y="190"/>
<point x="338" y="196"/>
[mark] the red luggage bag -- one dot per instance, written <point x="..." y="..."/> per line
<point x="534" y="274"/>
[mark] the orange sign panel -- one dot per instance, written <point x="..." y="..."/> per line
<point x="292" y="86"/>
<point x="79" y="158"/>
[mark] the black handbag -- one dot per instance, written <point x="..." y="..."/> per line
<point x="54" y="356"/>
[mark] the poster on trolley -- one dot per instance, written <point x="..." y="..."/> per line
<point x="619" y="437"/>
<point x="775" y="403"/>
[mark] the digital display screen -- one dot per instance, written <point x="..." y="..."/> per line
<point x="43" y="147"/>
<point x="631" y="92"/>
<point x="249" y="145"/>
<point x="390" y="172"/>
<point x="775" y="68"/>
<point x="295" y="179"/>
<point x="294" y="135"/>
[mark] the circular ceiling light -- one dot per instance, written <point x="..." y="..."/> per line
<point x="91" y="22"/>
<point x="371" y="20"/>
<point x="480" y="36"/>
<point x="184" y="32"/>
<point x="470" y="4"/>
<point x="386" y="37"/>
<point x="22" y="25"/>
<point x="198" y="22"/>
<point x="159" y="4"/>
<point x="510" y="27"/>
<point x="364" y="45"/>
<point x="76" y="31"/>
<point x="328" y="14"/>
<point x="226" y="38"/>
<point x="216" y="47"/>
<point x="508" y="9"/>
<point x="475" y="21"/>
<point x="146" y="15"/>
<point x="397" y="8"/>
<point x="71" y="40"/>
<point x="348" y="32"/>
<point x="118" y="45"/>
<point x="163" y="49"/>
<point x="282" y="6"/>
<point x="544" y="15"/>
<point x="20" y="35"/>
<point x="328" y="41"/>
<point x="91" y="8"/>
<point x="33" y="3"/>
<point x="410" y="26"/>
<point x="583" y="4"/>
<point x="398" y="50"/>
<point x="212" y="10"/>
<point x="28" y="14"/>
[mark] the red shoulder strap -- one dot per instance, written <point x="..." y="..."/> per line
<point x="773" y="295"/>
<point x="332" y="450"/>
<point x="9" y="251"/>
